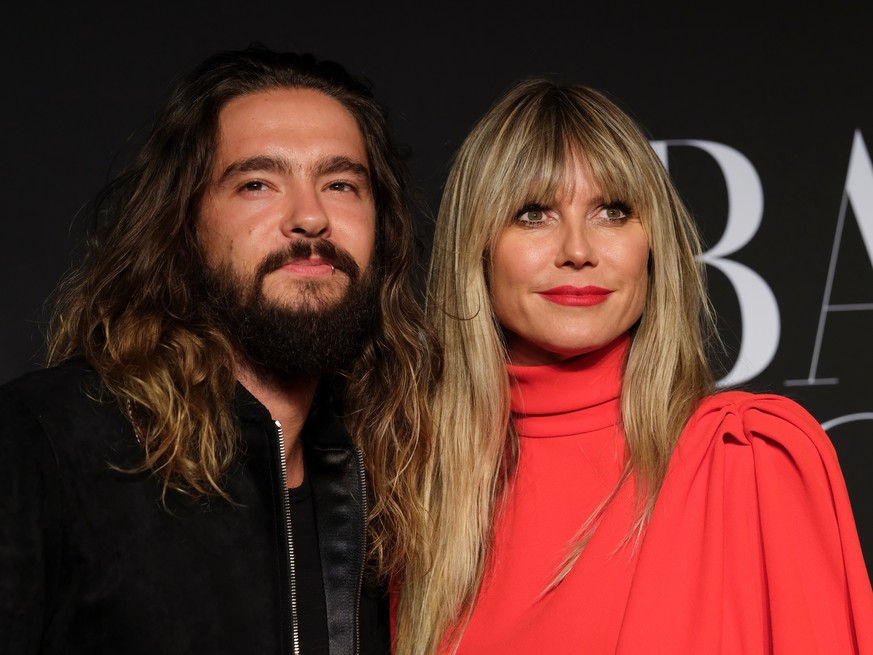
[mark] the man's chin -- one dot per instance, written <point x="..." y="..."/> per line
<point x="307" y="306"/>
<point x="308" y="329"/>
<point x="306" y="337"/>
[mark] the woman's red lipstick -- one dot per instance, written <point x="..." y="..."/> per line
<point x="576" y="296"/>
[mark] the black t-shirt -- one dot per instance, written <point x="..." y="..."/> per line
<point x="311" y="606"/>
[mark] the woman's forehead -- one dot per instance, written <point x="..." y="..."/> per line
<point x="562" y="176"/>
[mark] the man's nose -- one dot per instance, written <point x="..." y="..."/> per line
<point x="305" y="215"/>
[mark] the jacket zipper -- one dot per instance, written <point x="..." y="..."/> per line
<point x="362" y="479"/>
<point x="292" y="571"/>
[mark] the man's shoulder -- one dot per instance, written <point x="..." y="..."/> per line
<point x="74" y="379"/>
<point x="64" y="402"/>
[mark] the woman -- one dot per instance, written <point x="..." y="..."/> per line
<point x="601" y="497"/>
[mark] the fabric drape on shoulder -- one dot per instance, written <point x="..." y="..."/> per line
<point x="752" y="547"/>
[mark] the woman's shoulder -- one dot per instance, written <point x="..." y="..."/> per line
<point x="745" y="404"/>
<point x="755" y="502"/>
<point x="759" y="422"/>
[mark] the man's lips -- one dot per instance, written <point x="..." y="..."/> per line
<point x="311" y="267"/>
<point x="576" y="296"/>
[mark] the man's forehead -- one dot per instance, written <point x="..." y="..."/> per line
<point x="288" y="130"/>
<point x="302" y="105"/>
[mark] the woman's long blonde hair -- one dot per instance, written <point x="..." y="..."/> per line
<point x="516" y="155"/>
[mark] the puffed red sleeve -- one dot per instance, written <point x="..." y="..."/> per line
<point x="752" y="547"/>
<point x="816" y="580"/>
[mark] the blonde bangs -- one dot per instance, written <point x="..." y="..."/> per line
<point x="521" y="157"/>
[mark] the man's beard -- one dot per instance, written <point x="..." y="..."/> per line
<point x="309" y="336"/>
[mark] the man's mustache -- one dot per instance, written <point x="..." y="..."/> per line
<point x="304" y="248"/>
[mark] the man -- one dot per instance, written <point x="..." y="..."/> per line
<point x="183" y="480"/>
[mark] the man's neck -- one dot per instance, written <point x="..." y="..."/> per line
<point x="288" y="402"/>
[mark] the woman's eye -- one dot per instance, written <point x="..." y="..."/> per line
<point x="341" y="186"/>
<point x="616" y="212"/>
<point x="531" y="216"/>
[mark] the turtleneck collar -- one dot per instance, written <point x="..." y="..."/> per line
<point x="575" y="396"/>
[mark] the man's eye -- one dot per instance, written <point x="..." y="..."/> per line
<point x="341" y="186"/>
<point x="254" y="185"/>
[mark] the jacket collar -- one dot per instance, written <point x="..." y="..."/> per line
<point x="323" y="429"/>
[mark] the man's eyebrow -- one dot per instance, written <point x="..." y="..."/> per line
<point x="265" y="163"/>
<point x="281" y="166"/>
<point x="341" y="164"/>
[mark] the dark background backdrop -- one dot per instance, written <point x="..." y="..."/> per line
<point x="788" y="88"/>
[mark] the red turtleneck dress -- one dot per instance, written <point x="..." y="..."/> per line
<point x="752" y="547"/>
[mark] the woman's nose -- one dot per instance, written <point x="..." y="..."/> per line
<point x="577" y="248"/>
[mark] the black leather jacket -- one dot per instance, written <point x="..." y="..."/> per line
<point x="92" y="562"/>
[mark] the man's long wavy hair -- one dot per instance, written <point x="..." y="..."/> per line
<point x="517" y="155"/>
<point x="132" y="312"/>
